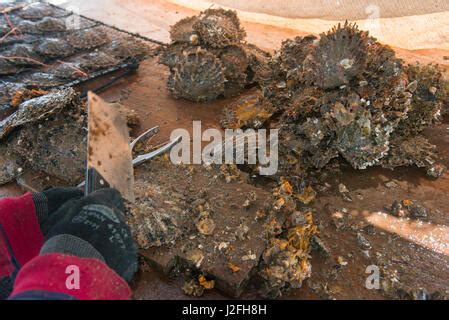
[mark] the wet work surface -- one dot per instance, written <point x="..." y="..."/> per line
<point x="413" y="252"/>
<point x="351" y="210"/>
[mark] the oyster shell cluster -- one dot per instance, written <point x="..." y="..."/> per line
<point x="208" y="57"/>
<point x="46" y="134"/>
<point x="346" y="95"/>
<point x="46" y="49"/>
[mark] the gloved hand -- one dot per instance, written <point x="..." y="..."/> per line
<point x="48" y="201"/>
<point x="93" y="227"/>
<point x="21" y="236"/>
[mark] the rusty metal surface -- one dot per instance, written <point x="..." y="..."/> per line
<point x="109" y="152"/>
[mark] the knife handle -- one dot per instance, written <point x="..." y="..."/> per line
<point x="94" y="181"/>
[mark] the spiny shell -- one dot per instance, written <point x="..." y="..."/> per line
<point x="427" y="85"/>
<point x="406" y="151"/>
<point x="172" y="54"/>
<point x="257" y="62"/>
<point x="198" y="76"/>
<point x="293" y="53"/>
<point x="182" y="31"/>
<point x="219" y="28"/>
<point x="339" y="57"/>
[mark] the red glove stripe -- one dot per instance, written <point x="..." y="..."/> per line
<point x="19" y="221"/>
<point x="59" y="273"/>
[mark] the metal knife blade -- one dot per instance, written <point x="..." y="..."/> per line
<point x="109" y="158"/>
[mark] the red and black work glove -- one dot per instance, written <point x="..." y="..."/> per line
<point x="93" y="227"/>
<point x="49" y="201"/>
<point x="21" y="237"/>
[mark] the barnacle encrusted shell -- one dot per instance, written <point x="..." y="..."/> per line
<point x="22" y="54"/>
<point x="427" y="85"/>
<point x="98" y="60"/>
<point x="217" y="32"/>
<point x="182" y="31"/>
<point x="406" y="151"/>
<point x="198" y="76"/>
<point x="235" y="61"/>
<point x="247" y="112"/>
<point x="7" y="68"/>
<point x="50" y="24"/>
<point x="219" y="28"/>
<point x="53" y="48"/>
<point x="292" y="55"/>
<point x="88" y="39"/>
<point x="257" y="62"/>
<point x="339" y="57"/>
<point x="173" y="54"/>
<point x="39" y="10"/>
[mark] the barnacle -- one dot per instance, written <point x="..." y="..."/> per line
<point x="235" y="63"/>
<point x="219" y="28"/>
<point x="193" y="288"/>
<point x="198" y="76"/>
<point x="381" y="63"/>
<point x="183" y="31"/>
<point x="339" y="57"/>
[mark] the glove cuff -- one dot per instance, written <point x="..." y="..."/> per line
<point x="41" y="206"/>
<point x="70" y="245"/>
